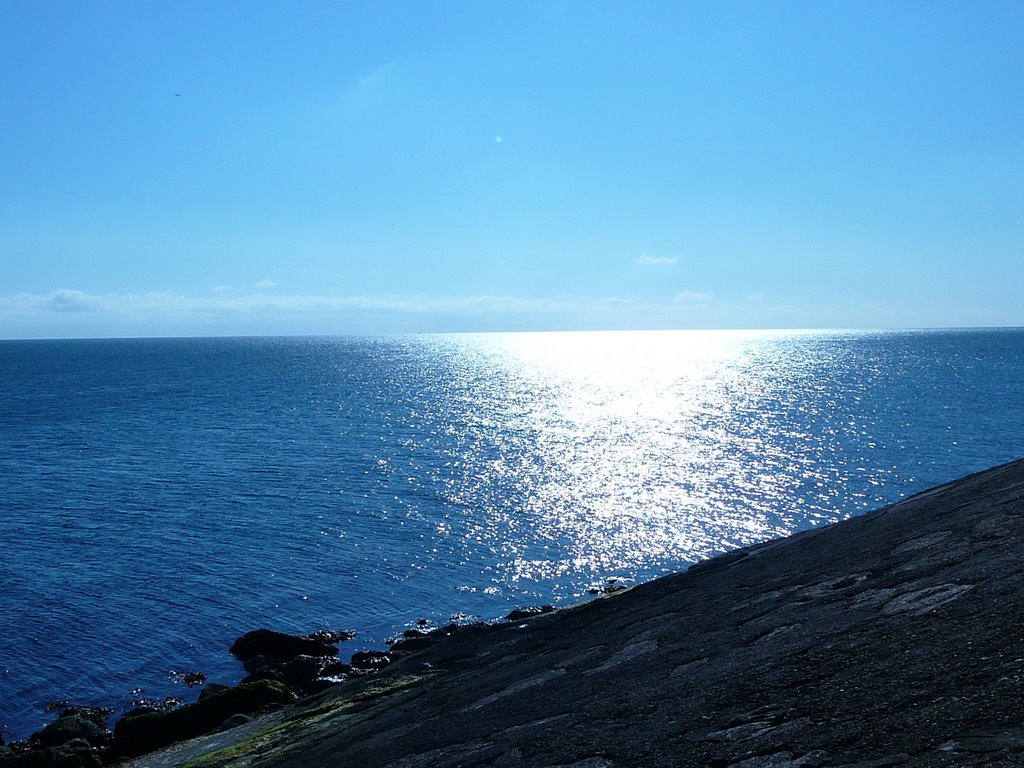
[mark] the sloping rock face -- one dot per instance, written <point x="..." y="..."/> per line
<point x="893" y="639"/>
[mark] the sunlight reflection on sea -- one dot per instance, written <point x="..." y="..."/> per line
<point x="620" y="452"/>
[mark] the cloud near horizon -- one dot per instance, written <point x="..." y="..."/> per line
<point x="649" y="261"/>
<point x="25" y="315"/>
<point x="693" y="297"/>
<point x="69" y="313"/>
<point x="65" y="300"/>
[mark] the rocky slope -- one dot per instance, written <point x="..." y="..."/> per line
<point x="893" y="639"/>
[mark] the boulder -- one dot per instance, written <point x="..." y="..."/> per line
<point x="370" y="660"/>
<point x="304" y="674"/>
<point x="256" y="662"/>
<point x="98" y="715"/>
<point x="298" y="673"/>
<point x="69" y="727"/>
<point x="138" y="734"/>
<point x="279" y="646"/>
<point x="270" y="671"/>
<point x="331" y="636"/>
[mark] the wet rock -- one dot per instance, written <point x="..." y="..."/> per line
<point x="332" y="636"/>
<point x="271" y="671"/>
<point x="302" y="673"/>
<point x="533" y="610"/>
<point x="256" y="662"/>
<point x="299" y="673"/>
<point x="138" y="734"/>
<point x="370" y="660"/>
<point x="461" y="629"/>
<point x="279" y="646"/>
<point x="98" y="715"/>
<point x="412" y="644"/>
<point x="336" y="669"/>
<point x="613" y="584"/>
<point x="144" y="706"/>
<point x="64" y="729"/>
<point x="189" y="678"/>
<point x="211" y="689"/>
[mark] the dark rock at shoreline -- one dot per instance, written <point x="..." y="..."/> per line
<point x="412" y="644"/>
<point x="370" y="660"/>
<point x="257" y="662"/>
<point x="71" y="755"/>
<point x="525" y="613"/>
<point x="138" y="734"/>
<point x="98" y="715"/>
<point x="611" y="586"/>
<point x="336" y="669"/>
<point x="332" y="636"/>
<point x="304" y="675"/>
<point x="891" y="639"/>
<point x="145" y="706"/>
<point x="189" y="678"/>
<point x="68" y="727"/>
<point x="279" y="646"/>
<point x="210" y="689"/>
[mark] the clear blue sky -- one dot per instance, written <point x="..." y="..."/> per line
<point x="234" y="168"/>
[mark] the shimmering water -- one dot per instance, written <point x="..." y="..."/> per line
<point x="159" y="497"/>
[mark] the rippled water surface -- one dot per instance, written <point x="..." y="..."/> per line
<point x="159" y="497"/>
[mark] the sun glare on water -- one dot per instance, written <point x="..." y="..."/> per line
<point x="615" y="452"/>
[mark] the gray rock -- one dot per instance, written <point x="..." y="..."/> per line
<point x="234" y="721"/>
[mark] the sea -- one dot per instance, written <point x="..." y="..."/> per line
<point x="160" y="497"/>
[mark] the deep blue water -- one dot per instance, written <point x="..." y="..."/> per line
<point x="160" y="497"/>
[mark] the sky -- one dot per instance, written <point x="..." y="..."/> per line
<point x="222" y="168"/>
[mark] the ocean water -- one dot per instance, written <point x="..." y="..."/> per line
<point x="160" y="497"/>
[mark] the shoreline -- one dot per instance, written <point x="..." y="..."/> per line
<point x="891" y="638"/>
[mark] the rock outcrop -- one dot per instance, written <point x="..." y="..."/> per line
<point x="892" y="639"/>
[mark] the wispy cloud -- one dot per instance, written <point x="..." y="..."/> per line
<point x="693" y="297"/>
<point x="651" y="261"/>
<point x="63" y="300"/>
<point x="264" y="284"/>
<point x="223" y="302"/>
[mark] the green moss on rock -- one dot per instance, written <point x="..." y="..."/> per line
<point x="138" y="734"/>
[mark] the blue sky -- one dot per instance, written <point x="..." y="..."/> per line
<point x="239" y="168"/>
